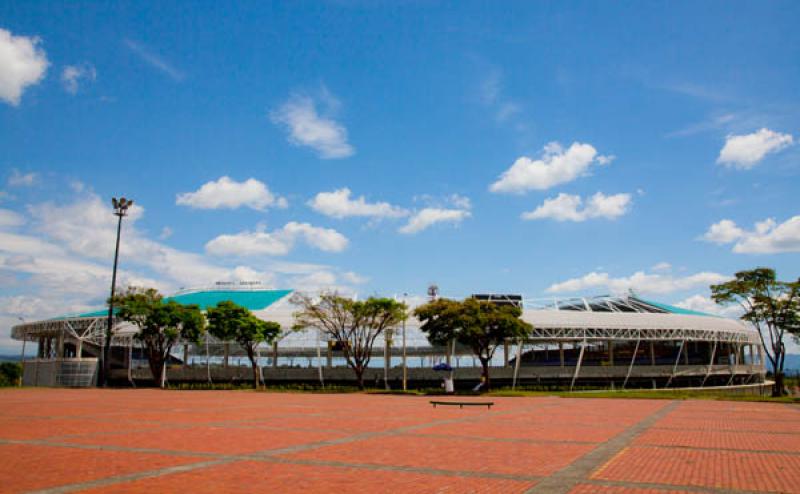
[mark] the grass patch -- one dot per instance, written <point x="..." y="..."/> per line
<point x="651" y="395"/>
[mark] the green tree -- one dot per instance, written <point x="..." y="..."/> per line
<point x="161" y="324"/>
<point x="479" y="325"/>
<point x="229" y="321"/>
<point x="10" y="373"/>
<point x="355" y="323"/>
<point x="772" y="306"/>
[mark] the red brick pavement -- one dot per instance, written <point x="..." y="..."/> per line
<point x="282" y="478"/>
<point x="604" y="489"/>
<point x="456" y="454"/>
<point x="764" y="472"/>
<point x="745" y="441"/>
<point x="26" y="467"/>
<point x="170" y="441"/>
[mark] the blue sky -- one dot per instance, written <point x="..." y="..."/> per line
<point x="549" y="149"/>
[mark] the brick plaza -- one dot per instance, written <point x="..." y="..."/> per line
<point x="59" y="440"/>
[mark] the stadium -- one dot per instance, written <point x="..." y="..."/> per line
<point x="599" y="342"/>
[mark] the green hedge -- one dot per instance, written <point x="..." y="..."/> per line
<point x="10" y="372"/>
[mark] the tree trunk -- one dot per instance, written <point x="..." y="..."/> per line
<point x="777" y="388"/>
<point x="486" y="382"/>
<point x="154" y="361"/>
<point x="359" y="377"/>
<point x="255" y="374"/>
<point x="254" y="365"/>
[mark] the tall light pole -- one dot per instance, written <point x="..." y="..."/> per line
<point x="120" y="209"/>
<point x="405" y="369"/>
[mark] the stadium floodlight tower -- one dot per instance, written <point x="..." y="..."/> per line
<point x="120" y="210"/>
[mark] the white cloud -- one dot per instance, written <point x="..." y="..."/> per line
<point x="491" y="95"/>
<point x="767" y="237"/>
<point x="702" y="303"/>
<point x="662" y="266"/>
<point x="639" y="281"/>
<point x="10" y="219"/>
<point x="24" y="306"/>
<point x="354" y="278"/>
<point x="18" y="179"/>
<point x="459" y="201"/>
<point x="745" y="151"/>
<point x="452" y="209"/>
<point x="567" y="207"/>
<point x="72" y="75"/>
<point x="277" y="243"/>
<point x="338" y="204"/>
<point x="154" y="60"/>
<point x="712" y="123"/>
<point x="326" y="239"/>
<point x="61" y="254"/>
<point x="166" y="233"/>
<point x="427" y="217"/>
<point x="22" y="63"/>
<point x="229" y="194"/>
<point x="723" y="232"/>
<point x="308" y="128"/>
<point x="556" y="166"/>
<point x="87" y="229"/>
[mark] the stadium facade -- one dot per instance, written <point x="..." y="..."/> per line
<point x="609" y="342"/>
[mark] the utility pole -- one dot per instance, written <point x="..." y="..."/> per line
<point x="120" y="210"/>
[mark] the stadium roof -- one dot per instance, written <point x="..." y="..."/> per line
<point x="610" y="303"/>
<point x="629" y="320"/>
<point x="251" y="299"/>
<point x="677" y="310"/>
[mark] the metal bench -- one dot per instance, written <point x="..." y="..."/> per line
<point x="462" y="404"/>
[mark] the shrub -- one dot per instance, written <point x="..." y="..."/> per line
<point x="10" y="372"/>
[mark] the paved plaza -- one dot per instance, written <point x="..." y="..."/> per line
<point x="57" y="440"/>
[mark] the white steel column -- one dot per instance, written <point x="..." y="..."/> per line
<point x="578" y="366"/>
<point x="319" y="361"/>
<point x="710" y="364"/>
<point x="732" y="366"/>
<point x="130" y="359"/>
<point x="630" y="367"/>
<point x="405" y="368"/>
<point x="452" y="354"/>
<point x="22" y="356"/>
<point x="516" y="364"/>
<point x="260" y="367"/>
<point x="208" y="362"/>
<point x="677" y="360"/>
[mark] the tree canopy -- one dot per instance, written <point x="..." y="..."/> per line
<point x="480" y="325"/>
<point x="772" y="306"/>
<point x="356" y="323"/>
<point x="161" y="324"/>
<point x="229" y="321"/>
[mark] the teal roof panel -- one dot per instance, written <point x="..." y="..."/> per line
<point x="251" y="299"/>
<point x="677" y="310"/>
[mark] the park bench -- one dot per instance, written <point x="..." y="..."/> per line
<point x="462" y="404"/>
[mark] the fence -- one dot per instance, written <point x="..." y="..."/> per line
<point x="66" y="372"/>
